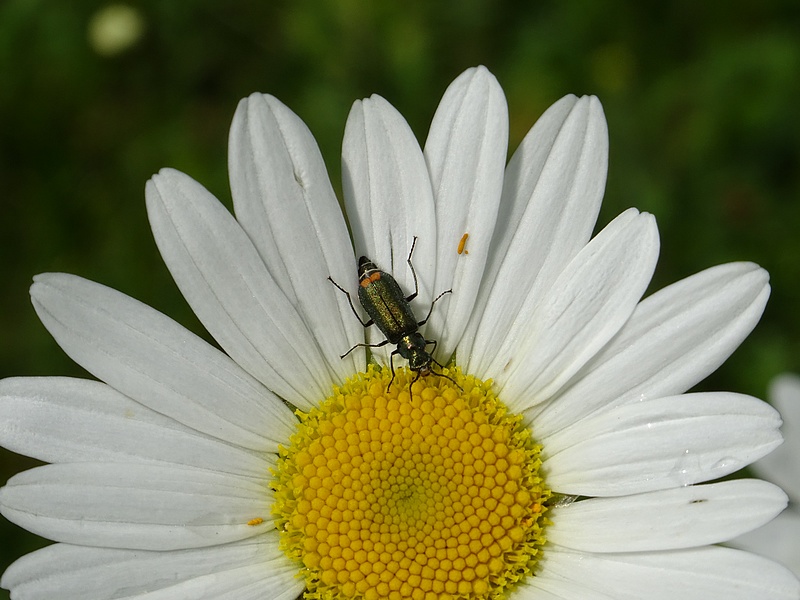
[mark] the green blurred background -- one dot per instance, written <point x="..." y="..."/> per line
<point x="701" y="103"/>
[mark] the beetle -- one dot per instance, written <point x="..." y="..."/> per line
<point x="389" y="309"/>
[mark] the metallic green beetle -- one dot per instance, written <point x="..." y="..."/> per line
<point x="389" y="309"/>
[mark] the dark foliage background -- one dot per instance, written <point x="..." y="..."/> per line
<point x="701" y="105"/>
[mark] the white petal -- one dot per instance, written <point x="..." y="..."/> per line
<point x="778" y="540"/>
<point x="253" y="582"/>
<point x="545" y="587"/>
<point x="782" y="466"/>
<point x="659" y="444"/>
<point x="134" y="506"/>
<point x="586" y="306"/>
<point x="551" y="196"/>
<point x="673" y="340"/>
<point x="388" y="192"/>
<point x="389" y="201"/>
<point x="59" y="420"/>
<point x="708" y="573"/>
<point x="150" y="358"/>
<point x="466" y="153"/>
<point x="284" y="201"/>
<point x="83" y="573"/>
<point x="230" y="289"/>
<point x="666" y="520"/>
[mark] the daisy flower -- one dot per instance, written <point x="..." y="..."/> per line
<point x="780" y="538"/>
<point x="551" y="452"/>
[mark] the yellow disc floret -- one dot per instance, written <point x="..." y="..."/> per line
<point x="430" y="495"/>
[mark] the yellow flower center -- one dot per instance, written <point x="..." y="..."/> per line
<point x="433" y="495"/>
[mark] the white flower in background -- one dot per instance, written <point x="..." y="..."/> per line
<point x="780" y="538"/>
<point x="185" y="473"/>
<point x="115" y="28"/>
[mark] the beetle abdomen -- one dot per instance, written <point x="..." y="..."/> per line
<point x="382" y="298"/>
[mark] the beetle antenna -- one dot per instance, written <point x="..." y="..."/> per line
<point x="453" y="381"/>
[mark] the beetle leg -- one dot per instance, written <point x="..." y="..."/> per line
<point x="434" y="343"/>
<point x="383" y="343"/>
<point x="411" y="385"/>
<point x="353" y="308"/>
<point x="425" y="320"/>
<point x="413" y="272"/>
<point x="391" y="364"/>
